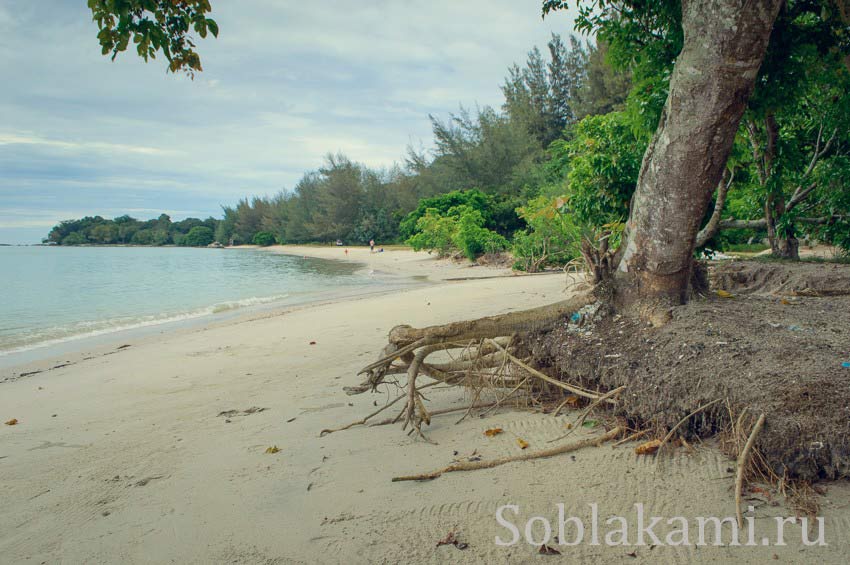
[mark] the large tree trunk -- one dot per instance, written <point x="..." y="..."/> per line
<point x="724" y="44"/>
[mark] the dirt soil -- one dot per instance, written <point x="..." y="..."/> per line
<point x="775" y="346"/>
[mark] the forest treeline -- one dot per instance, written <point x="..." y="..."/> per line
<point x="551" y="173"/>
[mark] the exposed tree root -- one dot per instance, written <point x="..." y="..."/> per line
<point x="741" y="469"/>
<point x="685" y="419"/>
<point x="475" y="465"/>
<point x="488" y="357"/>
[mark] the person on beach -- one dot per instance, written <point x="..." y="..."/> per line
<point x="371" y="246"/>
<point x="346" y="252"/>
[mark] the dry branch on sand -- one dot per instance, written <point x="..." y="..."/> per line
<point x="476" y="465"/>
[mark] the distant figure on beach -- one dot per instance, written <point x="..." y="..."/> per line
<point x="371" y="245"/>
<point x="346" y="252"/>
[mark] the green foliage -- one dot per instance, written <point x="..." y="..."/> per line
<point x="74" y="238"/>
<point x="198" y="236"/>
<point x="125" y="230"/>
<point x="434" y="232"/>
<point x="472" y="238"/>
<point x="264" y="239"/>
<point x="154" y="26"/>
<point x="474" y="199"/>
<point x="461" y="227"/>
<point x="601" y="164"/>
<point x="552" y="236"/>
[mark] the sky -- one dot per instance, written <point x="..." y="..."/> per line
<point x="285" y="83"/>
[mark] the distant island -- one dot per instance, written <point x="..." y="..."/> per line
<point x="126" y="230"/>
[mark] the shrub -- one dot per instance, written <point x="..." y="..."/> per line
<point x="442" y="203"/>
<point x="461" y="228"/>
<point x="435" y="233"/>
<point x="74" y="238"/>
<point x="199" y="236"/>
<point x="264" y="239"/>
<point x="552" y="236"/>
<point x="473" y="239"/>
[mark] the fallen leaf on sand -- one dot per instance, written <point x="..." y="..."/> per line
<point x="273" y="449"/>
<point x="648" y="448"/>
<point x="724" y="294"/>
<point x="546" y="550"/>
<point x="573" y="401"/>
<point x="759" y="490"/>
<point x="590" y="424"/>
<point x="492" y="432"/>
<point x="14" y="422"/>
<point x="451" y="539"/>
<point x="522" y="443"/>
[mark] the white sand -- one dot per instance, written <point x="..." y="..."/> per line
<point x="124" y="457"/>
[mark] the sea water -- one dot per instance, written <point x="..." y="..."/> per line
<point x="51" y="295"/>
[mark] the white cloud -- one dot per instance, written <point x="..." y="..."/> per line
<point x="286" y="83"/>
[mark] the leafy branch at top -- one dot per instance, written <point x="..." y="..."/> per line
<point x="154" y="26"/>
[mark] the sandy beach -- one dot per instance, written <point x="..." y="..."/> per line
<point x="156" y="452"/>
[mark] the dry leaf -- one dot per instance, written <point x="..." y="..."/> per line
<point x="492" y="432"/>
<point x="273" y="449"/>
<point x="573" y="401"/>
<point x="648" y="448"/>
<point x="724" y="294"/>
<point x="784" y="302"/>
<point x="522" y="443"/>
<point x="546" y="550"/>
<point x="12" y="422"/>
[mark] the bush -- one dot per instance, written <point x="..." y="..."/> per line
<point x="552" y="237"/>
<point x="442" y="203"/>
<point x="74" y="238"/>
<point x="199" y="236"/>
<point x="461" y="228"/>
<point x="264" y="239"/>
<point x="435" y="233"/>
<point x="473" y="239"/>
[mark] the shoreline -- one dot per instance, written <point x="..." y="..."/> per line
<point x="157" y="453"/>
<point x="81" y="345"/>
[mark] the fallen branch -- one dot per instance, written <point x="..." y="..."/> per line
<point x="476" y="465"/>
<point x="742" y="463"/>
<point x="395" y="419"/>
<point x="632" y="437"/>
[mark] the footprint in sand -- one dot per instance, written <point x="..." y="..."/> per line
<point x="49" y="444"/>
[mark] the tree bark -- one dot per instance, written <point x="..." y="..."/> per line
<point x="714" y="75"/>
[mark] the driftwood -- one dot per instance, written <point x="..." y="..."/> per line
<point x="476" y="465"/>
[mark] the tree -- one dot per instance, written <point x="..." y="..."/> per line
<point x="604" y="89"/>
<point x="797" y="130"/>
<point x="154" y="26"/>
<point x="198" y="236"/>
<point x="264" y="239"/>
<point x="723" y="46"/>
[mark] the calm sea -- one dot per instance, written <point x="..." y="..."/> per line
<point x="51" y="295"/>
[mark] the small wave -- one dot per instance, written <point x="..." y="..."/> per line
<point x="55" y="335"/>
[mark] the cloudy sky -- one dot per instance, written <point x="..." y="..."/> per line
<point x="285" y="83"/>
